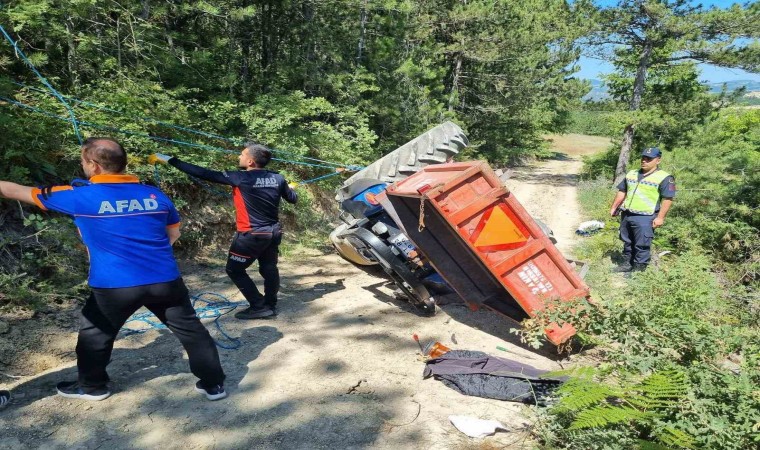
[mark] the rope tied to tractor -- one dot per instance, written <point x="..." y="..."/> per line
<point x="213" y="309"/>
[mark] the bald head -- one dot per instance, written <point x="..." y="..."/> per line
<point x="106" y="152"/>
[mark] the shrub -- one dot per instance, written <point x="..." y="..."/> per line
<point x="691" y="321"/>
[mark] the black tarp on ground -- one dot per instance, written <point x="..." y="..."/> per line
<point x="481" y="375"/>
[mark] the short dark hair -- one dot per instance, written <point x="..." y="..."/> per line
<point x="261" y="154"/>
<point x="108" y="153"/>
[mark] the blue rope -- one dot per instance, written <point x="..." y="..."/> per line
<point x="174" y="141"/>
<point x="113" y="129"/>
<point x="144" y="119"/>
<point x="44" y="81"/>
<point x="312" y="180"/>
<point x="236" y="141"/>
<point x="213" y="309"/>
<point x="148" y="136"/>
<point x="301" y="163"/>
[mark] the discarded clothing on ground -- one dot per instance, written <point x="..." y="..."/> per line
<point x="481" y="375"/>
<point x="476" y="428"/>
<point x="589" y="227"/>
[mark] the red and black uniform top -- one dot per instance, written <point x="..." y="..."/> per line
<point x="256" y="194"/>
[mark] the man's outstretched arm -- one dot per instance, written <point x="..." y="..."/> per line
<point x="15" y="191"/>
<point x="213" y="176"/>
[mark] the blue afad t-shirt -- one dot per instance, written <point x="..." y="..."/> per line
<point x="123" y="224"/>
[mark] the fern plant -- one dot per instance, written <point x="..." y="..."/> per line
<point x="591" y="400"/>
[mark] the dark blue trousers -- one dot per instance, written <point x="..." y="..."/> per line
<point x="636" y="232"/>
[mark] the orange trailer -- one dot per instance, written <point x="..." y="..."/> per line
<point x="482" y="241"/>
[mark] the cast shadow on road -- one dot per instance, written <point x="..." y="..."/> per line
<point x="494" y="324"/>
<point x="549" y="179"/>
<point x="397" y="301"/>
<point x="485" y="320"/>
<point x="317" y="290"/>
<point x="161" y="357"/>
<point x="559" y="156"/>
<point x="162" y="412"/>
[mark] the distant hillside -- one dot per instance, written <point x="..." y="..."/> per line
<point x="599" y="89"/>
<point x="734" y="85"/>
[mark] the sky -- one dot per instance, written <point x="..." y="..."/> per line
<point x="594" y="68"/>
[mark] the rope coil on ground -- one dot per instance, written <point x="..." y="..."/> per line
<point x="213" y="310"/>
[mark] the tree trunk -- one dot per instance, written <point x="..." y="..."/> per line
<point x="309" y="46"/>
<point x="455" y="81"/>
<point x="265" y="31"/>
<point x="245" y="64"/>
<point x="118" y="41"/>
<point x="232" y="52"/>
<point x="145" y="13"/>
<point x="168" y="34"/>
<point x="71" y="54"/>
<point x="362" y="31"/>
<point x="635" y="104"/>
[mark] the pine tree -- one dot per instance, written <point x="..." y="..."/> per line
<point x="639" y="35"/>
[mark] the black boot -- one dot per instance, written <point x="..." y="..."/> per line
<point x="636" y="268"/>
<point x="625" y="267"/>
<point x="252" y="314"/>
<point x="639" y="267"/>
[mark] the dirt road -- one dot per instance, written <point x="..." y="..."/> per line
<point x="336" y="369"/>
<point x="548" y="189"/>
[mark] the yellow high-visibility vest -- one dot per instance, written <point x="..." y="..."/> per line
<point x="641" y="196"/>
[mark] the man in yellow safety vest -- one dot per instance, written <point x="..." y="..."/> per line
<point x="644" y="197"/>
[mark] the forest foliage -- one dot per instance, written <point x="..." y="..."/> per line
<point x="343" y="81"/>
<point x="346" y="81"/>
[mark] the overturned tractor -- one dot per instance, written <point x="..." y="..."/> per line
<point x="435" y="226"/>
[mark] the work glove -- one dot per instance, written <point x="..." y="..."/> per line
<point x="293" y="186"/>
<point x="159" y="158"/>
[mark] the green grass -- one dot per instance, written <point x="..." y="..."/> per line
<point x="679" y="317"/>
<point x="594" y="123"/>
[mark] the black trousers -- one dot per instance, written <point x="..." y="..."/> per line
<point x="247" y="248"/>
<point x="106" y="310"/>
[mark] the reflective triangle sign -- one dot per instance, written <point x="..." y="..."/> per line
<point x="499" y="229"/>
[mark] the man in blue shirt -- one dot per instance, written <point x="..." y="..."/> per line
<point x="128" y="229"/>
<point x="256" y="194"/>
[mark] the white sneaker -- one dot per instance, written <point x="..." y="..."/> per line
<point x="213" y="393"/>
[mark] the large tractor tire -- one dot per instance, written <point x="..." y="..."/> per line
<point x="435" y="146"/>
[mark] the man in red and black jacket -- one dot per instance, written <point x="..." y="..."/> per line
<point x="256" y="194"/>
